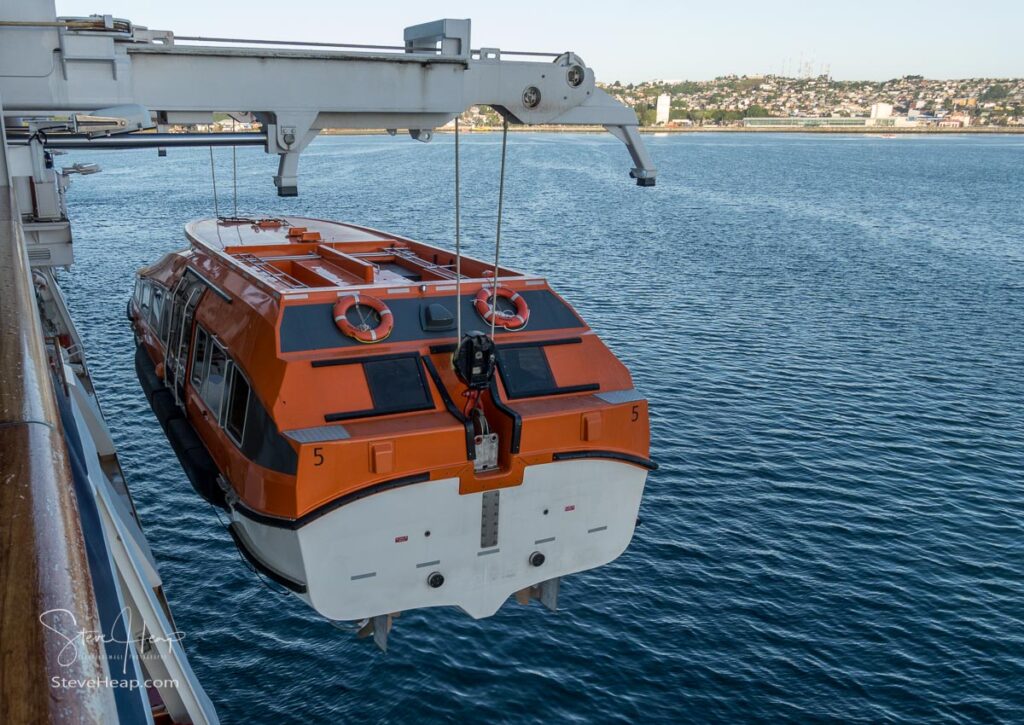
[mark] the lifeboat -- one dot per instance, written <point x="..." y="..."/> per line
<point x="311" y="379"/>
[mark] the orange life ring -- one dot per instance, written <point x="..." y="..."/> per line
<point x="509" y="320"/>
<point x="363" y="333"/>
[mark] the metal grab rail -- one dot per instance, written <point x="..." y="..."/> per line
<point x="475" y="52"/>
<point x="295" y="43"/>
<point x="145" y="140"/>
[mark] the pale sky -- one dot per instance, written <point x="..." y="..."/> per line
<point x="864" y="39"/>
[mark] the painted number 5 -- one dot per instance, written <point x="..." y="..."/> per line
<point x="318" y="456"/>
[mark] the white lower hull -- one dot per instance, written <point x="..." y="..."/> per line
<point x="374" y="556"/>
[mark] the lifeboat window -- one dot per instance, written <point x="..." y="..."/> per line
<point x="213" y="385"/>
<point x="147" y="293"/>
<point x="167" y="311"/>
<point x="397" y="385"/>
<point x="199" y="356"/>
<point x="237" y="405"/>
<point x="525" y="371"/>
<point x="156" y="308"/>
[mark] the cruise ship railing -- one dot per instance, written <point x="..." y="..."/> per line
<point x="50" y="650"/>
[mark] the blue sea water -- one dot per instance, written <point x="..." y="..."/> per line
<point x="830" y="331"/>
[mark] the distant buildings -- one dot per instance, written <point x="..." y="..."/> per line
<point x="223" y="126"/>
<point x="663" y="109"/>
<point x="806" y="122"/>
<point x="900" y="102"/>
<point x="832" y="122"/>
<point x="955" y="120"/>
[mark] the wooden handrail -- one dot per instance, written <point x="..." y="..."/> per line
<point x="43" y="565"/>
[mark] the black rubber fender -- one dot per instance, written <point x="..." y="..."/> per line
<point x="182" y="435"/>
<point x="164" y="407"/>
<point x="195" y="461"/>
<point x="146" y="371"/>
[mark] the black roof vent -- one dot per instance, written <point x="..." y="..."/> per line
<point x="435" y="317"/>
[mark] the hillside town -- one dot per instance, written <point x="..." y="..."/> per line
<point x="776" y="101"/>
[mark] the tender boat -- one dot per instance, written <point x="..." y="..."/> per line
<point x="312" y="381"/>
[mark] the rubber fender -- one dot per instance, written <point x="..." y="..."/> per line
<point x="147" y="374"/>
<point x="182" y="435"/>
<point x="195" y="461"/>
<point x="164" y="407"/>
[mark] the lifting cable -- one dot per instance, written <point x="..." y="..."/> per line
<point x="213" y="176"/>
<point x="458" y="247"/>
<point x="497" y="234"/>
<point x="216" y="210"/>
<point x="234" y="168"/>
<point x="472" y="396"/>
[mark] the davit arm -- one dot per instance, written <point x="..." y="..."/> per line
<point x="100" y="63"/>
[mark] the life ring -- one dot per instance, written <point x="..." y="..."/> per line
<point x="509" y="320"/>
<point x="363" y="333"/>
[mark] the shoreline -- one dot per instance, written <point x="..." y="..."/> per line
<point x="654" y="130"/>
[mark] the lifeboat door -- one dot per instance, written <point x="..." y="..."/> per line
<point x="186" y="296"/>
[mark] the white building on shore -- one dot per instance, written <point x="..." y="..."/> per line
<point x="663" y="109"/>
<point x="881" y="110"/>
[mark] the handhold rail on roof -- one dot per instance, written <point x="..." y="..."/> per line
<point x="261" y="266"/>
<point x="364" y="270"/>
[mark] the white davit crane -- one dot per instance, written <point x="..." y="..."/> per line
<point x="83" y="65"/>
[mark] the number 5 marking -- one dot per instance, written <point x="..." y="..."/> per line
<point x="318" y="456"/>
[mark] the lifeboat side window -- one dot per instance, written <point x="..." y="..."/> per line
<point x="213" y="385"/>
<point x="147" y="293"/>
<point x="166" y="312"/>
<point x="199" y="357"/>
<point x="156" y="308"/>
<point x="237" y="405"/>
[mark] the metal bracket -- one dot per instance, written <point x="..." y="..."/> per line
<point x="288" y="134"/>
<point x="644" y="171"/>
<point x="378" y="627"/>
<point x="486" y="449"/>
<point x="546" y="593"/>
<point x="449" y="36"/>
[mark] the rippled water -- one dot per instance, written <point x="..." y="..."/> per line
<point x="831" y="334"/>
